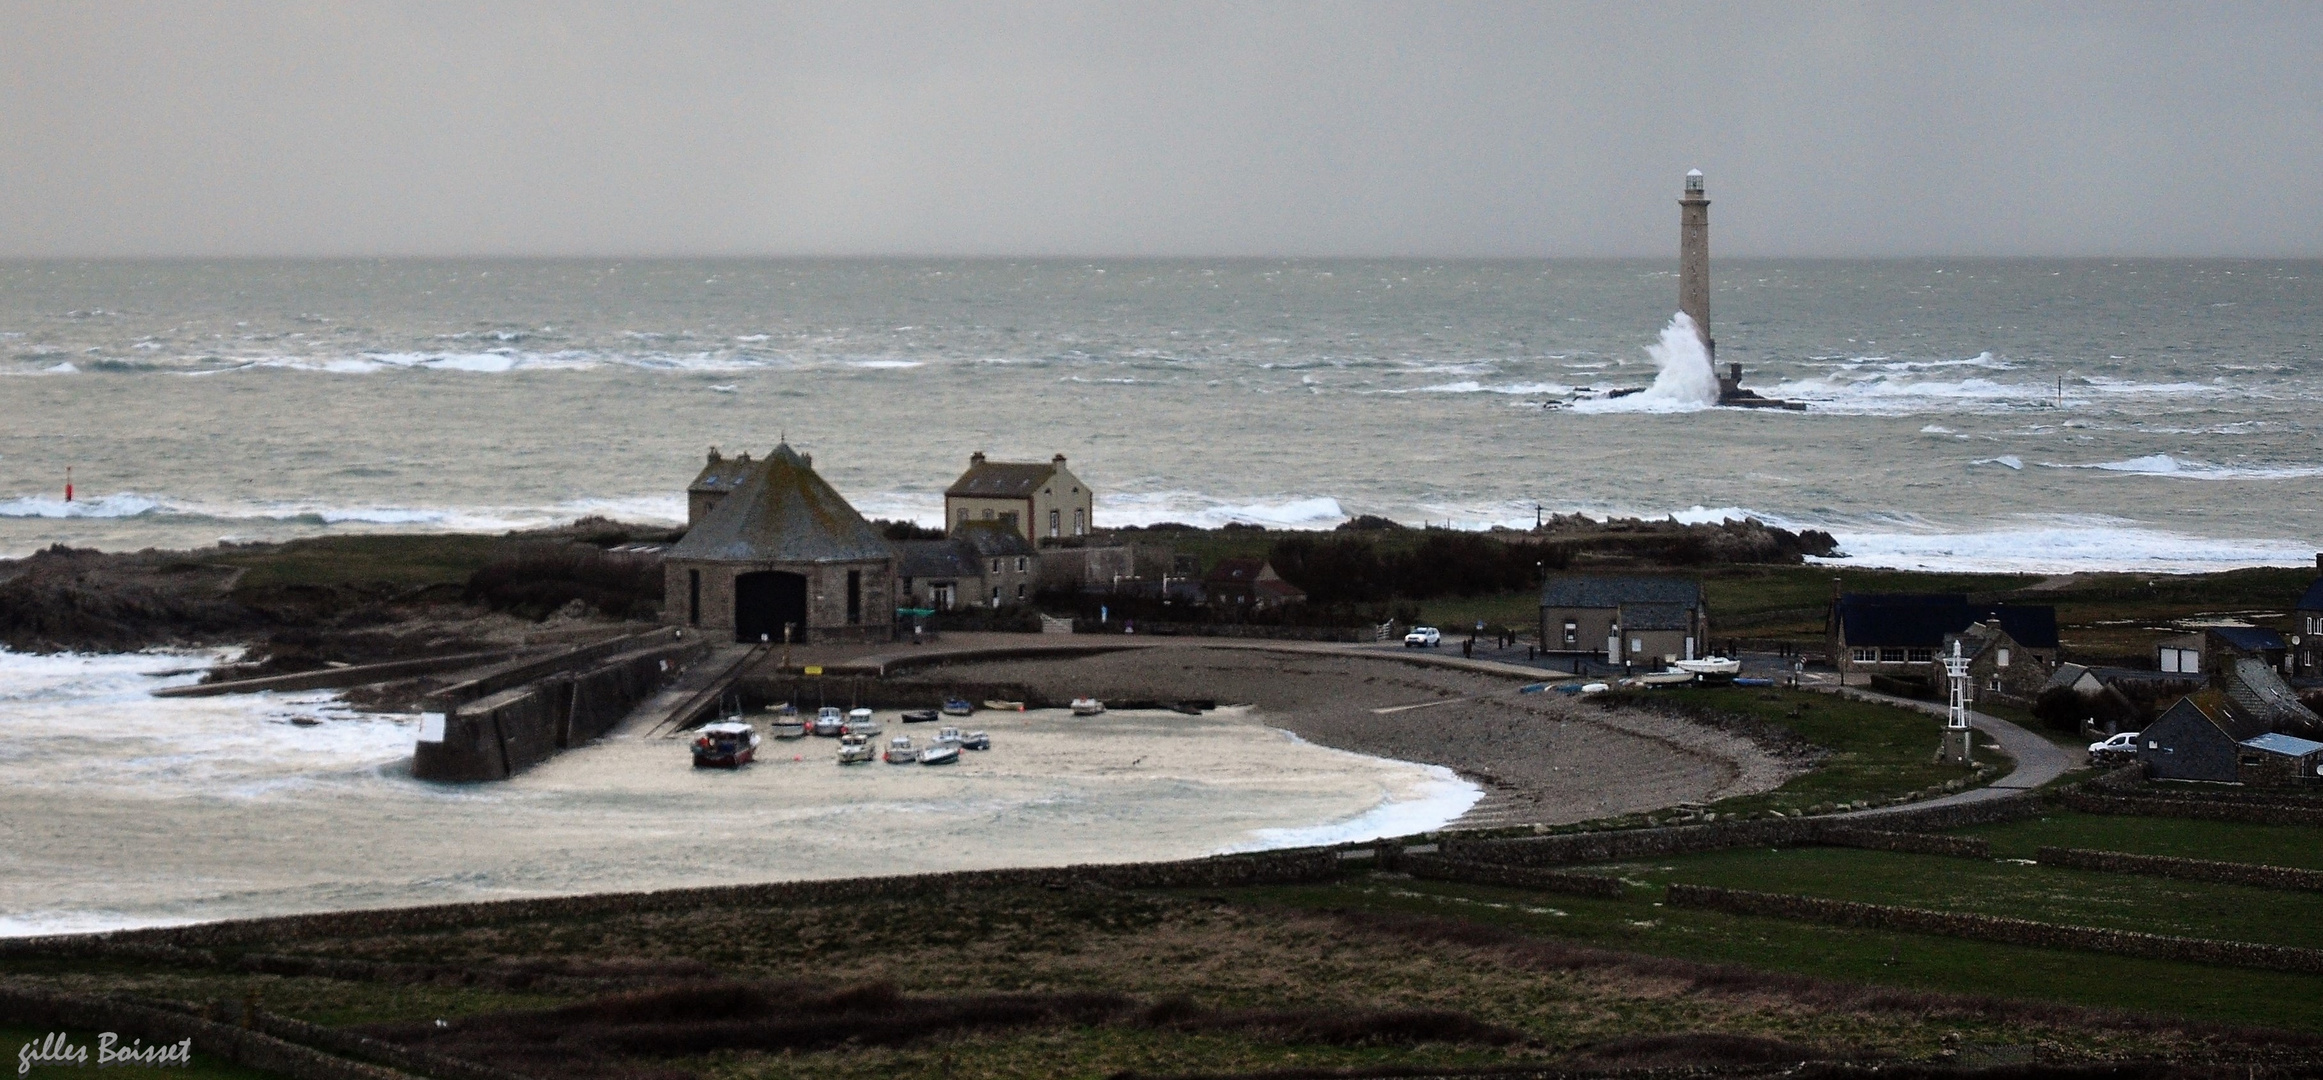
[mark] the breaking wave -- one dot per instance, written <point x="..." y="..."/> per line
<point x="2165" y="465"/>
<point x="1685" y="382"/>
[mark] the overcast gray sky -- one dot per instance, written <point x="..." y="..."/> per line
<point x="1169" y="129"/>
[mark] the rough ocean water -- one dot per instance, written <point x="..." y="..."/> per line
<point x="2042" y="415"/>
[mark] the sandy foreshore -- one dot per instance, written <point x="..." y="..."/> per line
<point x="1542" y="758"/>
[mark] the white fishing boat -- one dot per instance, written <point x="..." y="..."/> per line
<point x="859" y="722"/>
<point x="786" y="723"/>
<point x="830" y="723"/>
<point x="1710" y="668"/>
<point x="940" y="754"/>
<point x="901" y="752"/>
<point x="727" y="744"/>
<point x="948" y="735"/>
<point x="975" y="740"/>
<point x="1087" y="706"/>
<point x="856" y="749"/>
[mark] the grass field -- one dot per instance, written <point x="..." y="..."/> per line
<point x="2223" y="841"/>
<point x="1877" y="752"/>
<point x="404" y="561"/>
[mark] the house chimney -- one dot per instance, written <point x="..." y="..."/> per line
<point x="1060" y="463"/>
<point x="2319" y="560"/>
<point x="714" y="459"/>
<point x="976" y="458"/>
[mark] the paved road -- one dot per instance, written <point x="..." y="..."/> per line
<point x="2038" y="760"/>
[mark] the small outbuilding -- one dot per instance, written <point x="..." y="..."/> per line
<point x="2197" y="739"/>
<point x="1623" y="620"/>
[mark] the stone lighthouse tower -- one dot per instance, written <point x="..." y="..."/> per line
<point x="1694" y="259"/>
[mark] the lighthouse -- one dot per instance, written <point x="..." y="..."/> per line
<point x="1694" y="259"/>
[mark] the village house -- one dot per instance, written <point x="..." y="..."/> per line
<point x="1623" y="620"/>
<point x="2000" y="667"/>
<point x="1905" y="635"/>
<point x="772" y="552"/>
<point x="2211" y="738"/>
<point x="1042" y="501"/>
<point x="2307" y="630"/>
<point x="2211" y="650"/>
<point x="1249" y="583"/>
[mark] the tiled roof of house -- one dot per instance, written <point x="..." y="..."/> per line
<point x="1587" y="591"/>
<point x="2313" y="600"/>
<point x="1923" y="619"/>
<point x="1244" y="569"/>
<point x="992" y="538"/>
<point x="723" y="473"/>
<point x="783" y="512"/>
<point x="2249" y="638"/>
<point x="938" y="559"/>
<point x="1002" y="479"/>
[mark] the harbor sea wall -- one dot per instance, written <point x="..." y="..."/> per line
<point x="533" y="710"/>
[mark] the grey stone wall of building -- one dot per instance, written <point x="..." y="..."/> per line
<point x="826" y="597"/>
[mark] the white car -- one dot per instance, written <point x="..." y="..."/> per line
<point x="2118" y="748"/>
<point x="1423" y="637"/>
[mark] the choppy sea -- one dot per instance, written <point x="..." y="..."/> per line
<point x="2046" y="415"/>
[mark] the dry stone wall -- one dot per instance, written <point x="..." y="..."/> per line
<point x="2233" y="873"/>
<point x="1999" y="929"/>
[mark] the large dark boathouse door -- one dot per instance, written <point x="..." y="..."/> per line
<point x="765" y="601"/>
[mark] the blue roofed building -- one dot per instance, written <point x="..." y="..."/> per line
<point x="2306" y="651"/>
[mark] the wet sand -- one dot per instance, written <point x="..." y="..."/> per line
<point x="1544" y="758"/>
<point x="117" y="809"/>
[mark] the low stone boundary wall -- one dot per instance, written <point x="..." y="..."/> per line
<point x="2199" y="809"/>
<point x="1438" y="868"/>
<point x="1964" y="847"/>
<point x="1258" y="868"/>
<point x="241" y="1046"/>
<point x="366" y="1048"/>
<point x="1999" y="929"/>
<point x="1623" y="844"/>
<point x="2233" y="873"/>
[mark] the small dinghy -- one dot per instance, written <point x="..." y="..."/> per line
<point x="1004" y="706"/>
<point x="306" y="721"/>
<point x="856" y="749"/>
<point x="940" y="754"/>
<point x="830" y="723"/>
<point x="920" y="716"/>
<point x="1087" y="706"/>
<point x="859" y="722"/>
<point x="957" y="707"/>
<point x="727" y="744"/>
<point x="901" y="752"/>
<point x="1665" y="678"/>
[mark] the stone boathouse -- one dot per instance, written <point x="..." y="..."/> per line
<point x="771" y="547"/>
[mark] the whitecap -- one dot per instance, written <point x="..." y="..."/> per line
<point x="2165" y="465"/>
<point x="2008" y="460"/>
<point x="1684" y="382"/>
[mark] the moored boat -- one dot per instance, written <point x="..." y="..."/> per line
<point x="1003" y="706"/>
<point x="1711" y="669"/>
<point x="940" y="754"/>
<point x="830" y="723"/>
<point x="1666" y="678"/>
<point x="792" y="726"/>
<point x="975" y="740"/>
<point x="949" y="735"/>
<point x="957" y="707"/>
<point x="920" y="716"/>
<point x="1087" y="706"/>
<point x="901" y="752"/>
<point x="859" y="722"/>
<point x="856" y="749"/>
<point x="727" y="744"/>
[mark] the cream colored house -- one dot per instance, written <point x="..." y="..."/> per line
<point x="1045" y="501"/>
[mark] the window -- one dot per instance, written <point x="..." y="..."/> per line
<point x="1995" y="684"/>
<point x="1020" y="592"/>
<point x="1020" y="564"/>
<point x="1867" y="656"/>
<point x="1922" y="656"/>
<point x="1078" y="526"/>
<point x="1637" y="644"/>
<point x="995" y="566"/>
<point x="1572" y="632"/>
<point x="2002" y="659"/>
<point x="854" y="597"/>
<point x="963" y="517"/>
<point x="1054" y="515"/>
<point x="1891" y="656"/>
<point x="693" y="598"/>
<point x="988" y="513"/>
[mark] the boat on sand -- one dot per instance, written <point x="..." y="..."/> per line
<point x="1087" y="706"/>
<point x="727" y="744"/>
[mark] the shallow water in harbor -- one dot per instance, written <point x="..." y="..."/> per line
<point x="118" y="809"/>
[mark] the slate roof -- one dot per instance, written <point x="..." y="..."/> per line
<point x="783" y="512"/>
<point x="2313" y="600"/>
<point x="723" y="474"/>
<point x="2287" y="745"/>
<point x="1002" y="479"/>
<point x="2249" y="638"/>
<point x="1655" y="617"/>
<point x="1921" y="620"/>
<point x="2065" y="675"/>
<point x="992" y="538"/>
<point x="1586" y="591"/>
<point x="1236" y="569"/>
<point x="2256" y="686"/>
<point x="936" y="559"/>
<point x="2237" y="725"/>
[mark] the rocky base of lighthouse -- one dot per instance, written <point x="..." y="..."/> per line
<point x="1732" y="395"/>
